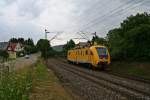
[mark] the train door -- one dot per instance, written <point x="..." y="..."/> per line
<point x="77" y="56"/>
<point x="86" y="56"/>
<point x="89" y="56"/>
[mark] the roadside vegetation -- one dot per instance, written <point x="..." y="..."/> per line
<point x="15" y="85"/>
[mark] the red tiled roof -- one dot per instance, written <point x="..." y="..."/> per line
<point x="11" y="46"/>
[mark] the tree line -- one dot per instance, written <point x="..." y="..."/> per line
<point x="131" y="41"/>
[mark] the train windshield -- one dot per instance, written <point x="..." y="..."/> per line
<point x="102" y="52"/>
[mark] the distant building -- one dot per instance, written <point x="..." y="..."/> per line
<point x="13" y="48"/>
<point x="3" y="45"/>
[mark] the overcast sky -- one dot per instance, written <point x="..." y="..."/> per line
<point x="29" y="18"/>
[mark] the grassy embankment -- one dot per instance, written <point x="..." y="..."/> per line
<point x="138" y="69"/>
<point x="46" y="86"/>
<point x="31" y="83"/>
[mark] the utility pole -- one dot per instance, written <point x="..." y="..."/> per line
<point x="46" y="32"/>
<point x="95" y="34"/>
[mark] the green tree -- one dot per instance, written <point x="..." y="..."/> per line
<point x="13" y="40"/>
<point x="70" y="44"/>
<point x="21" y="40"/>
<point x="29" y="46"/>
<point x="29" y="41"/>
<point x="99" y="40"/>
<point x="131" y="39"/>
<point x="43" y="45"/>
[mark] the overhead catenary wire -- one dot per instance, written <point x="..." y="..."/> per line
<point x="114" y="11"/>
<point x="109" y="15"/>
<point x="105" y="15"/>
<point x="132" y="7"/>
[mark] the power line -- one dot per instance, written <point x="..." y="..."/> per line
<point x="112" y="11"/>
<point x="120" y="6"/>
<point x="119" y="15"/>
<point x="128" y="7"/>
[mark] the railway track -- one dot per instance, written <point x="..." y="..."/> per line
<point x="147" y="81"/>
<point x="123" y="89"/>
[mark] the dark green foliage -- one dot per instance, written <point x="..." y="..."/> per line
<point x="13" y="40"/>
<point x="30" y="49"/>
<point x="70" y="44"/>
<point x="21" y="40"/>
<point x="4" y="54"/>
<point x="99" y="40"/>
<point x="131" y="41"/>
<point x="29" y="46"/>
<point x="29" y="41"/>
<point x="43" y="45"/>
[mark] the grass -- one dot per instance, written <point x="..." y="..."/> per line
<point x="46" y="86"/>
<point x="15" y="85"/>
<point x="138" y="69"/>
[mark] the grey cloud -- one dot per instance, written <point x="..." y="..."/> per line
<point x="31" y="8"/>
<point x="70" y="16"/>
<point x="8" y="2"/>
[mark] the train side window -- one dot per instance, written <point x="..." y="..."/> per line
<point x="83" y="53"/>
<point x="91" y="53"/>
<point x="86" y="52"/>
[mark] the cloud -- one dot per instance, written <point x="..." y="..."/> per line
<point x="29" y="18"/>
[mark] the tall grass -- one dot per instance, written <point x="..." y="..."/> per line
<point x="15" y="85"/>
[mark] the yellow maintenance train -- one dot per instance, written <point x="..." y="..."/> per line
<point x="96" y="56"/>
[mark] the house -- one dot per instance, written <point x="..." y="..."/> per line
<point x="13" y="48"/>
